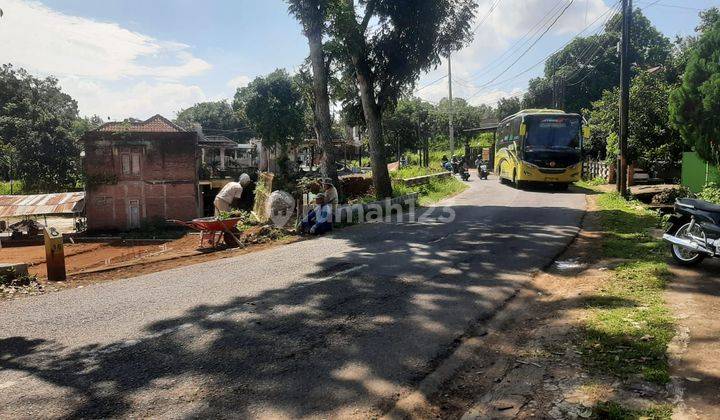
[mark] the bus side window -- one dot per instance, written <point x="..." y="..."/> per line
<point x="515" y="129"/>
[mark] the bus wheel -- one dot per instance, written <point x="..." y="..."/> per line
<point x="517" y="184"/>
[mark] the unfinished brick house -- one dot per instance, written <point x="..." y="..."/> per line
<point x="138" y="171"/>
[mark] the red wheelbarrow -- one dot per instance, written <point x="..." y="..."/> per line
<point x="213" y="231"/>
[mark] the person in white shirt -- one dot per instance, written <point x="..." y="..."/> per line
<point x="230" y="192"/>
<point x="319" y="220"/>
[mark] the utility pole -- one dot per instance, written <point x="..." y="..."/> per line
<point x="622" y="181"/>
<point x="558" y="91"/>
<point x="450" y="96"/>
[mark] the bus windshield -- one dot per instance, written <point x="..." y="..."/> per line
<point x="556" y="132"/>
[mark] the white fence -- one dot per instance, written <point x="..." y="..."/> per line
<point x="595" y="169"/>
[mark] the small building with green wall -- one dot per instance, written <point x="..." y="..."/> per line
<point x="696" y="172"/>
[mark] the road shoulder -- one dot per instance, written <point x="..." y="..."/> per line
<point x="535" y="357"/>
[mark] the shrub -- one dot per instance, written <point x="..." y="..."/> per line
<point x="357" y="186"/>
<point x="711" y="193"/>
<point x="670" y="196"/>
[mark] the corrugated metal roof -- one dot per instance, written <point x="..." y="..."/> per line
<point x="217" y="141"/>
<point x="30" y="205"/>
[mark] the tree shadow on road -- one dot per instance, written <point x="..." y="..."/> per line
<point x="362" y="329"/>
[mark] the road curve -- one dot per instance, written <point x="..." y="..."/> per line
<point x="332" y="327"/>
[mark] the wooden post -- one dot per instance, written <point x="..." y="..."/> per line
<point x="54" y="255"/>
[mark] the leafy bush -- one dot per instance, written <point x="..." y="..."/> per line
<point x="354" y="187"/>
<point x="596" y="181"/>
<point x="711" y="193"/>
<point x="247" y="220"/>
<point x="309" y="184"/>
<point x="5" y="187"/>
<point x="670" y="196"/>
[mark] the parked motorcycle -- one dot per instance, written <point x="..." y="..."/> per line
<point x="464" y="174"/>
<point x="694" y="232"/>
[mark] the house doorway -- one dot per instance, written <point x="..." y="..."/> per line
<point x="134" y="214"/>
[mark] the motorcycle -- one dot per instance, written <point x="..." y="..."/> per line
<point x="694" y="232"/>
<point x="464" y="174"/>
<point x="483" y="171"/>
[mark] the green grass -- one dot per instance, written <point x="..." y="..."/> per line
<point x="593" y="182"/>
<point x="614" y="411"/>
<point x="433" y="191"/>
<point x="414" y="171"/>
<point x="629" y="326"/>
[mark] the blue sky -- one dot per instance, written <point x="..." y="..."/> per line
<point x="123" y="58"/>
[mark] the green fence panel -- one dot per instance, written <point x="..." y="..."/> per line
<point x="696" y="171"/>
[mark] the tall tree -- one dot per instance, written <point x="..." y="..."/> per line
<point x="587" y="66"/>
<point x="215" y="118"/>
<point x="312" y="14"/>
<point x="274" y="108"/>
<point x="507" y="107"/>
<point x="695" y="105"/>
<point x="402" y="125"/>
<point x="651" y="137"/>
<point x="407" y="38"/>
<point x="36" y="120"/>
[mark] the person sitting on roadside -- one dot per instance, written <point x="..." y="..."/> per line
<point x="319" y="220"/>
<point x="229" y="193"/>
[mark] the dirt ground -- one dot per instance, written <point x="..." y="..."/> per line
<point x="524" y="363"/>
<point x="97" y="262"/>
<point x="84" y="257"/>
<point x="695" y="299"/>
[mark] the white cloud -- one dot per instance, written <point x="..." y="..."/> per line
<point x="503" y="30"/>
<point x="111" y="71"/>
<point x="43" y="40"/>
<point x="239" y="81"/>
<point x="141" y="100"/>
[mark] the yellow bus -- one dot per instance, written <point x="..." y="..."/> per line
<point x="541" y="146"/>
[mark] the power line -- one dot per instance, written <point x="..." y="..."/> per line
<point x="530" y="47"/>
<point x="430" y="84"/>
<point x="589" y="58"/>
<point x="596" y="44"/>
<point x="675" y="6"/>
<point x="492" y="9"/>
<point x="516" y="76"/>
<point x="544" y="58"/>
<point x="523" y="40"/>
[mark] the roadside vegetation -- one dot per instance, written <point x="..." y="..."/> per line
<point x="415" y="171"/>
<point x="5" y="189"/>
<point x="630" y="327"/>
<point x="434" y="191"/>
<point x="612" y="410"/>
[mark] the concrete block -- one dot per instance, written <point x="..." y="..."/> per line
<point x="18" y="269"/>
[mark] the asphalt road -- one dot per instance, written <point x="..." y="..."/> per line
<point x="332" y="327"/>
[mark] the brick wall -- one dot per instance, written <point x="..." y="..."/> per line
<point x="133" y="177"/>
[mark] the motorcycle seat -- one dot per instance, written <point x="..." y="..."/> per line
<point x="700" y="205"/>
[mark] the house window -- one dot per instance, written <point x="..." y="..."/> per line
<point x="126" y="164"/>
<point x="135" y="163"/>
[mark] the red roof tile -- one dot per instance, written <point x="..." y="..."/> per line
<point x="155" y="124"/>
